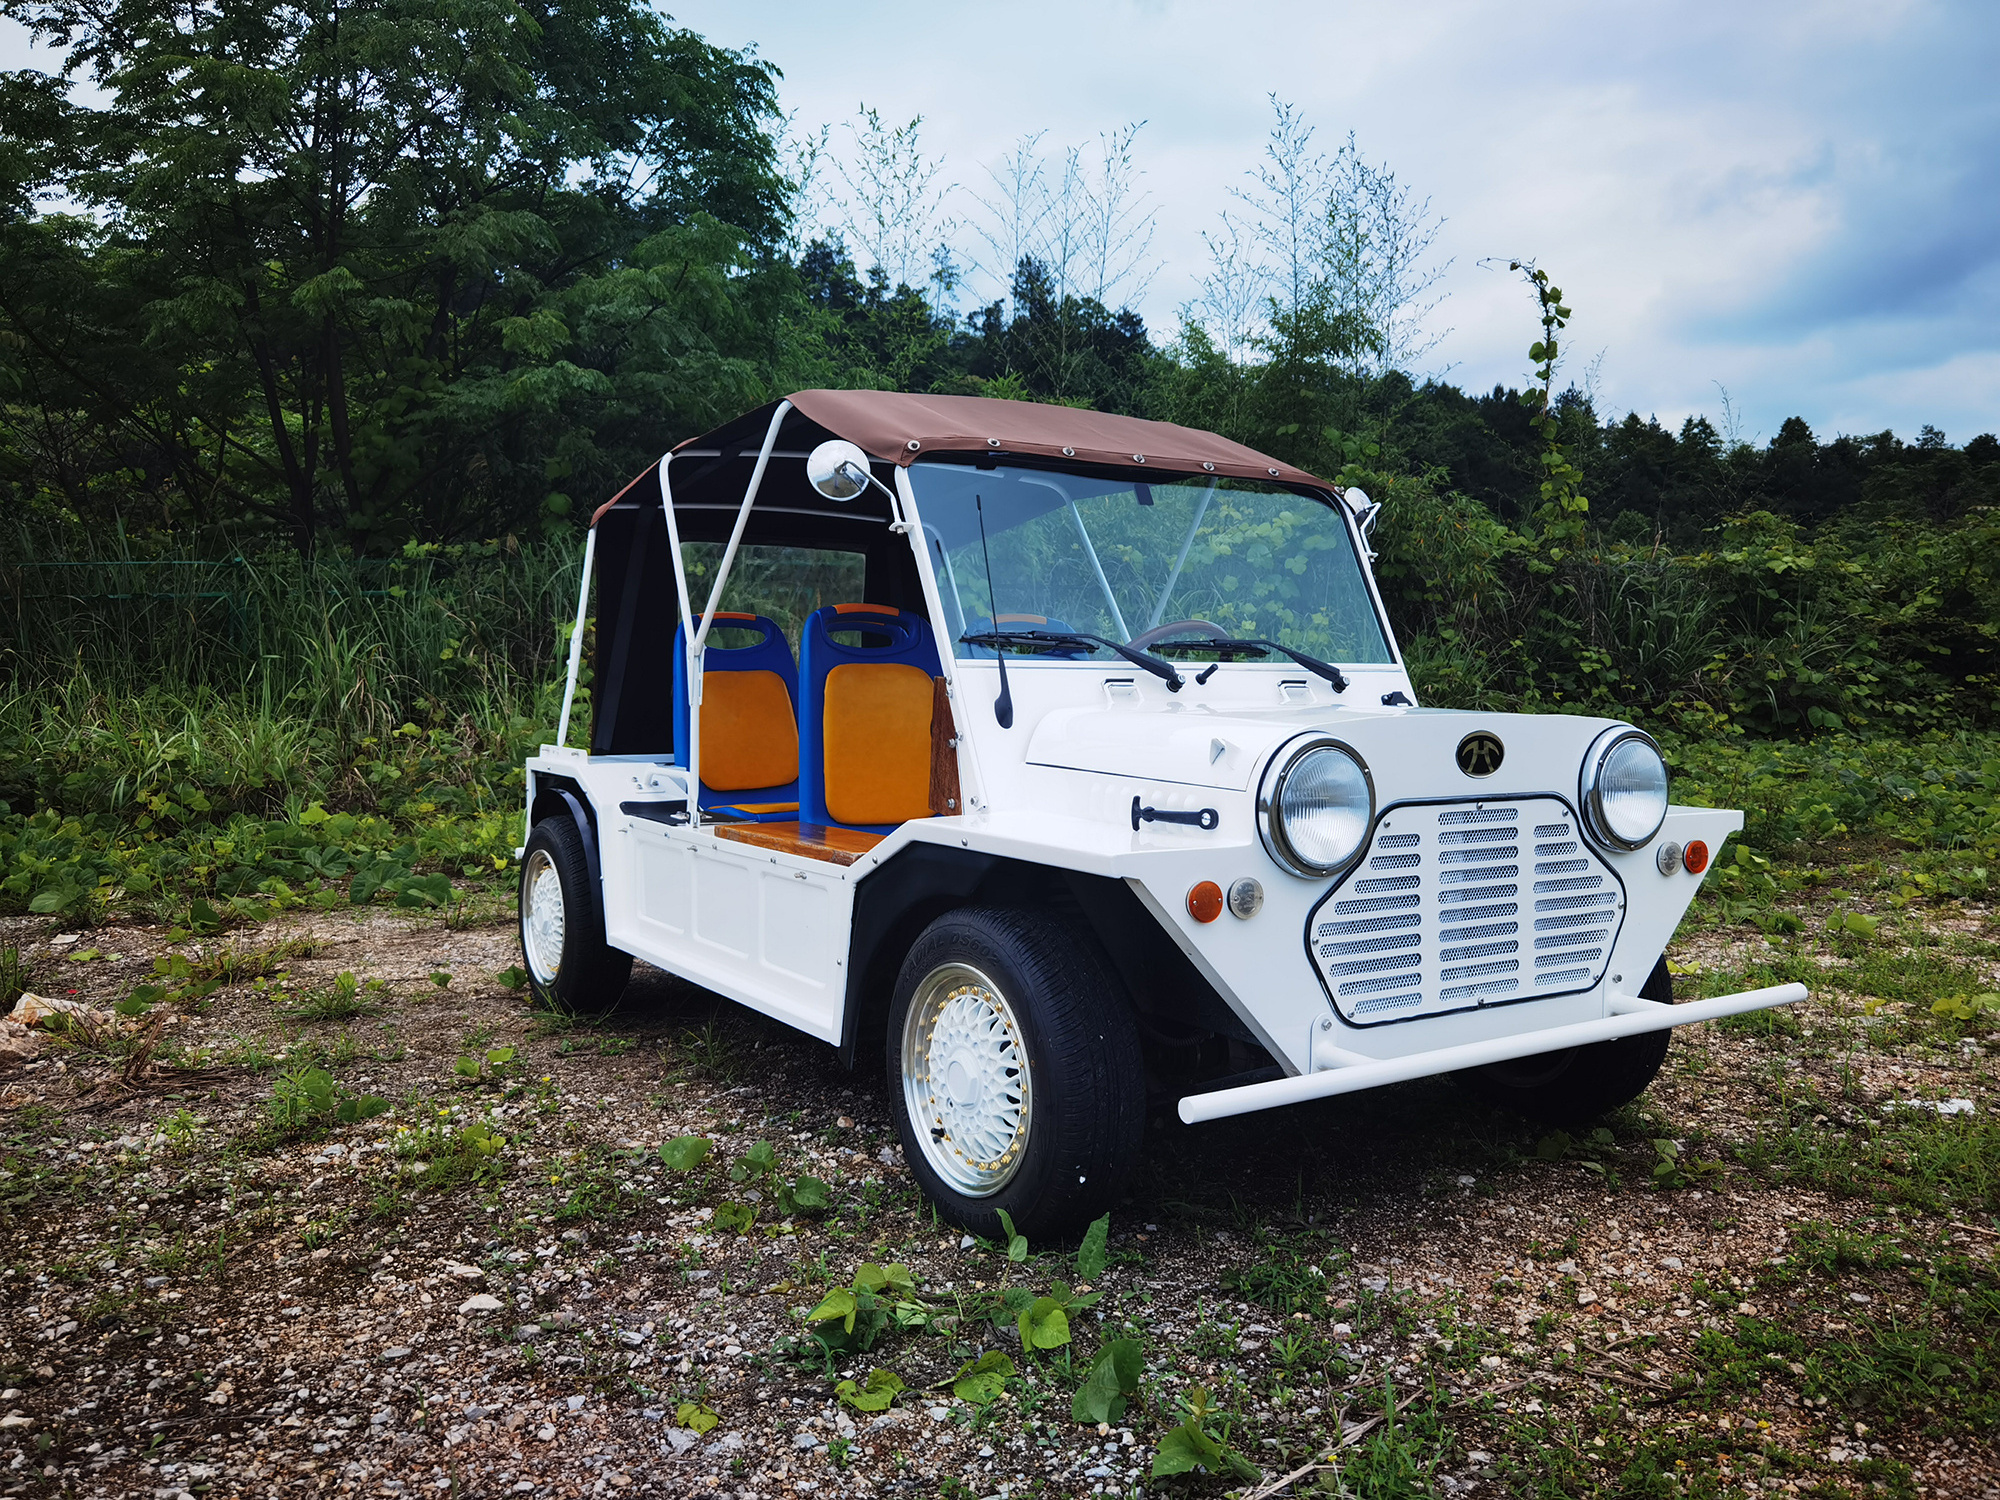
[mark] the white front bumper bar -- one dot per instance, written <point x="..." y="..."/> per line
<point x="1630" y="1016"/>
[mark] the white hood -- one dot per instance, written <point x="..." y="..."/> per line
<point x="1194" y="746"/>
<point x="1410" y="751"/>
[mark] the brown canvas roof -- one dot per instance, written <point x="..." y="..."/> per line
<point x="898" y="427"/>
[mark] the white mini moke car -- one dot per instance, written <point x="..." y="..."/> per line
<point x="1048" y="754"/>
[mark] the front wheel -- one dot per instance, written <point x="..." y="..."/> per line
<point x="570" y="966"/>
<point x="1014" y="1072"/>
<point x="1580" y="1083"/>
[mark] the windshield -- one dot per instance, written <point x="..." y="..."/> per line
<point x="1119" y="557"/>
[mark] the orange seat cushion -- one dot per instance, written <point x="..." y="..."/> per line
<point x="749" y="738"/>
<point x="877" y="734"/>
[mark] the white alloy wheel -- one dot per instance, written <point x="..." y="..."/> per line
<point x="965" y="1079"/>
<point x="544" y="919"/>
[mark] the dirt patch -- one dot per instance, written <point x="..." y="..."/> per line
<point x="1772" y="1275"/>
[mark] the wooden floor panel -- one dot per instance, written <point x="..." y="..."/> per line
<point x="840" y="846"/>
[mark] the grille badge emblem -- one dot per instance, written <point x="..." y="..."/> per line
<point x="1480" y="753"/>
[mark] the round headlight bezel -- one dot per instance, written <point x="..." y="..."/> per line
<point x="1591" y="792"/>
<point x="1270" y="807"/>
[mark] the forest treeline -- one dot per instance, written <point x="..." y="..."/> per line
<point x="313" y="284"/>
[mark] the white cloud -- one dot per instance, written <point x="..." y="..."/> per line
<point x="1723" y="189"/>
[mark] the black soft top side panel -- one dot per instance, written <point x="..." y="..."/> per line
<point x="632" y="711"/>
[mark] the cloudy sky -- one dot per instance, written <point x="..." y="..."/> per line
<point x="1798" y="202"/>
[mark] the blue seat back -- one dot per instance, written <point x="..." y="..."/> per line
<point x="866" y="688"/>
<point x="749" y="714"/>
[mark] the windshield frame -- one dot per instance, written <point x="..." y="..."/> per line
<point x="936" y="562"/>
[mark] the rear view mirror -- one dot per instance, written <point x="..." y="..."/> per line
<point x="838" y="469"/>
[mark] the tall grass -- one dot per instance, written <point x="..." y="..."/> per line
<point x="258" y="684"/>
<point x="338" y="639"/>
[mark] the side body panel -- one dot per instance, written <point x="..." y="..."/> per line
<point x="767" y="929"/>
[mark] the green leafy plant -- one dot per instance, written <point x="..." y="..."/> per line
<point x="1592" y="1151"/>
<point x="1964" y="1008"/>
<point x="695" y="1417"/>
<point x="1044" y="1322"/>
<point x="1017" y="1244"/>
<point x="756" y="1163"/>
<point x="850" y="1319"/>
<point x="1852" y="923"/>
<point x="1673" y="1168"/>
<point x="450" y="1153"/>
<point x="982" y="1381"/>
<point x="176" y="983"/>
<point x="182" y="1129"/>
<point x="496" y="1065"/>
<point x="801" y="1196"/>
<point x="394" y="877"/>
<point x="1092" y="1254"/>
<point x="304" y="1099"/>
<point x="882" y="1388"/>
<point x="736" y="1218"/>
<point x="1191" y="1445"/>
<point x="514" y="977"/>
<point x="685" y="1153"/>
<point x="1562" y="500"/>
<point x="1111" y="1382"/>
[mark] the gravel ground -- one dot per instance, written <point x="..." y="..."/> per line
<point x="1774" y="1274"/>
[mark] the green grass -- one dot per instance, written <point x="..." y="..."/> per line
<point x="14" y="977"/>
<point x="1906" y="1156"/>
<point x="234" y="965"/>
<point x="331" y="1005"/>
<point x="1917" y="974"/>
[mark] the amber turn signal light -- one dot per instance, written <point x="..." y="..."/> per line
<point x="1205" y="901"/>
<point x="1694" y="858"/>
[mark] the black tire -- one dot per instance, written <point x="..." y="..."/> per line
<point x="581" y="972"/>
<point x="1579" y="1084"/>
<point x="1080" y="1135"/>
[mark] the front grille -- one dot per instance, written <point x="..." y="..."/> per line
<point x="1458" y="905"/>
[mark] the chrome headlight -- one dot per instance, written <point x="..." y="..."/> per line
<point x="1624" y="789"/>
<point x="1315" y="807"/>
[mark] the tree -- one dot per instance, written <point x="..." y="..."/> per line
<point x="1346" y="272"/>
<point x="1086" y="225"/>
<point x="367" y="249"/>
<point x="895" y="213"/>
<point x="1058" y="346"/>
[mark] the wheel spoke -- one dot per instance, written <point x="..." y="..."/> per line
<point x="966" y="1080"/>
<point x="544" y="919"/>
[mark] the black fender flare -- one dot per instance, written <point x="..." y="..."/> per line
<point x="587" y="831"/>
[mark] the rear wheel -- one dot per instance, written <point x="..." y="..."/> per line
<point x="570" y="966"/>
<point x="1014" y="1072"/>
<point x="1580" y="1083"/>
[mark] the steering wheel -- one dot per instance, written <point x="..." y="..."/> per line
<point x="1167" y="632"/>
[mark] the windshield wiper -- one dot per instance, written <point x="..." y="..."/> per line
<point x="1225" y="645"/>
<point x="1016" y="638"/>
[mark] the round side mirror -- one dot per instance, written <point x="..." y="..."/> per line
<point x="838" y="469"/>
